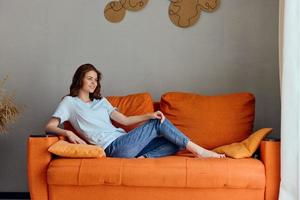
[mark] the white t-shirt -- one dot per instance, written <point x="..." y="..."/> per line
<point x="91" y="120"/>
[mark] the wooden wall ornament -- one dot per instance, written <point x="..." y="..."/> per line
<point x="115" y="10"/>
<point x="209" y="5"/>
<point x="185" y="13"/>
<point x="182" y="13"/>
<point x="134" y="5"/>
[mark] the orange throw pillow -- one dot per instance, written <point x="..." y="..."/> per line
<point x="245" y="148"/>
<point x="132" y="104"/>
<point x="67" y="149"/>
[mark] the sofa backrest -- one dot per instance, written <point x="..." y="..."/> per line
<point x="210" y="121"/>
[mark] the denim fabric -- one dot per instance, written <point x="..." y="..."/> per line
<point x="159" y="147"/>
<point x="151" y="139"/>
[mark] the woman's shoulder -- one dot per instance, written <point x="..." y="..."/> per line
<point x="68" y="99"/>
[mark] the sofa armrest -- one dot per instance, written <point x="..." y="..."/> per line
<point x="270" y="156"/>
<point x="38" y="159"/>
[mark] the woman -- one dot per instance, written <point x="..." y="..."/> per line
<point x="90" y="114"/>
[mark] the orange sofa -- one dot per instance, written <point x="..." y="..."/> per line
<point x="210" y="121"/>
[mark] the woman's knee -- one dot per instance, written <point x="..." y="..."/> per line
<point x="166" y="122"/>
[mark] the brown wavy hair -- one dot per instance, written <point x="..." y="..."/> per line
<point x="77" y="81"/>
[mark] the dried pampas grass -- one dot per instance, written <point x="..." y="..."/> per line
<point x="9" y="111"/>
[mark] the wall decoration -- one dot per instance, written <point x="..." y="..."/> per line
<point x="182" y="13"/>
<point x="134" y="5"/>
<point x="115" y="10"/>
<point x="209" y="5"/>
<point x="185" y="13"/>
<point x="9" y="110"/>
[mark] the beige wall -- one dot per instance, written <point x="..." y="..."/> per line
<point x="42" y="42"/>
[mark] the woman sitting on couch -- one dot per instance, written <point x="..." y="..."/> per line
<point x="90" y="114"/>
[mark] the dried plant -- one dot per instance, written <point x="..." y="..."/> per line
<point x="9" y="111"/>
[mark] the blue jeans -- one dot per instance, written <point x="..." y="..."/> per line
<point x="151" y="140"/>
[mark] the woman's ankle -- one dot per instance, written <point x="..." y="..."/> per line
<point x="192" y="147"/>
<point x="200" y="151"/>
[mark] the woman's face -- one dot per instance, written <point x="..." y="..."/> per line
<point x="90" y="81"/>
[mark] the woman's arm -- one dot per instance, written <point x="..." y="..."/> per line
<point x="52" y="126"/>
<point x="122" y="119"/>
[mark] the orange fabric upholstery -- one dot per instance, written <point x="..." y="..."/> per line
<point x="96" y="192"/>
<point x="97" y="171"/>
<point x="226" y="173"/>
<point x="270" y="156"/>
<point x="210" y="121"/>
<point x="38" y="159"/>
<point x="171" y="171"/>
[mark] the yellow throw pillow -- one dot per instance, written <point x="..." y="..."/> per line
<point x="67" y="149"/>
<point x="245" y="148"/>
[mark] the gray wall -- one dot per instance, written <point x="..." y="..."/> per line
<point x="42" y="43"/>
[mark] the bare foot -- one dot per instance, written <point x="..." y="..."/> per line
<point x="209" y="154"/>
<point x="201" y="152"/>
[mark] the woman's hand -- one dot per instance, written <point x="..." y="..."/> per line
<point x="157" y="115"/>
<point x="73" y="138"/>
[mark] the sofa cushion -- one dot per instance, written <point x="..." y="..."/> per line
<point x="225" y="173"/>
<point x="66" y="149"/>
<point x="133" y="104"/>
<point x="246" y="148"/>
<point x="171" y="171"/>
<point x="210" y="121"/>
<point x="93" y="171"/>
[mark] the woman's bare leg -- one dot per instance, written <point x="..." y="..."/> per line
<point x="201" y="152"/>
